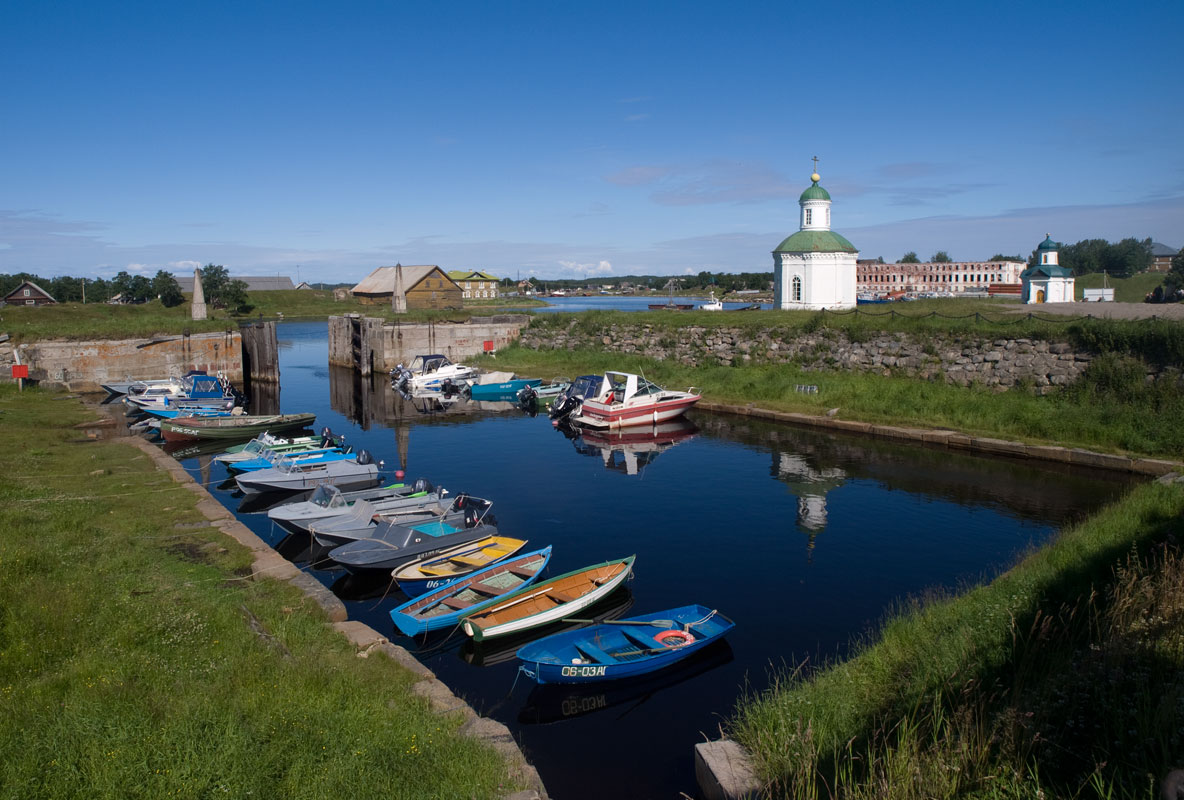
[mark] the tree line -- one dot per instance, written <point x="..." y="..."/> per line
<point x="220" y="290"/>
<point x="722" y="282"/>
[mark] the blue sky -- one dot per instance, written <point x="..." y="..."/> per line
<point x="321" y="140"/>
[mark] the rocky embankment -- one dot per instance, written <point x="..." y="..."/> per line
<point x="999" y="363"/>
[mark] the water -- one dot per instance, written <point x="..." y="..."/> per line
<point x="625" y="303"/>
<point x="804" y="539"/>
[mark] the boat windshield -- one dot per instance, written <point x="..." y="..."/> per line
<point x="646" y="387"/>
<point x="254" y="446"/>
<point x="586" y="386"/>
<point x="327" y="496"/>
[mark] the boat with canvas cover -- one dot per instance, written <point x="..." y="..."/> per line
<point x="395" y="545"/>
<point x="234" y="426"/>
<point x="329" y="502"/>
<point x="627" y="399"/>
<point x="432" y="373"/>
<point x="443" y="607"/>
<point x="547" y="602"/>
<point x="290" y="475"/>
<point x="363" y="520"/>
<point x="431" y="572"/>
<point x="197" y="390"/>
<point x="623" y="648"/>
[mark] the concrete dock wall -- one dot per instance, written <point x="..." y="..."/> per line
<point x="375" y="345"/>
<point x="85" y="366"/>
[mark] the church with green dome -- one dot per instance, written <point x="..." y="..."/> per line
<point x="815" y="267"/>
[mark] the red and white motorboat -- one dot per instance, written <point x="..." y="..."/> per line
<point x="626" y="399"/>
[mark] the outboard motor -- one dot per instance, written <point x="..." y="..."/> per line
<point x="448" y="387"/>
<point x="365" y="458"/>
<point x="563" y="407"/>
<point x="472" y="518"/>
<point x="422" y="485"/>
<point x="327" y="437"/>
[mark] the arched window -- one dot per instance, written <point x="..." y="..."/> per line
<point x="796" y="293"/>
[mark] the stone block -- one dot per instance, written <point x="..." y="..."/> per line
<point x="1000" y="446"/>
<point x="724" y="771"/>
<point x="1154" y="466"/>
<point x="1048" y="453"/>
<point x="1100" y="460"/>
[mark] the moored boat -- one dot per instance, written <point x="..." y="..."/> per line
<point x="505" y="390"/>
<point x="627" y="399"/>
<point x="552" y="600"/>
<point x="432" y="373"/>
<point x="235" y="426"/>
<point x="427" y="573"/>
<point x="395" y="545"/>
<point x="569" y="400"/>
<point x="292" y="476"/>
<point x="267" y="443"/>
<point x="623" y="648"/>
<point x="364" y="520"/>
<point x="443" y="607"/>
<point x="329" y="502"/>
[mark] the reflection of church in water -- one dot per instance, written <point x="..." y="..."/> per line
<point x="810" y="485"/>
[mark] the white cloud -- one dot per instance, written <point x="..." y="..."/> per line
<point x="588" y="270"/>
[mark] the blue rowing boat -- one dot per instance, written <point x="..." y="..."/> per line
<point x="623" y="648"/>
<point x="443" y="607"/>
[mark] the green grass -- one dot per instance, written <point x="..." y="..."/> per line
<point x="1117" y="413"/>
<point x="101" y="321"/>
<point x="1126" y="290"/>
<point x="1064" y="673"/>
<point x="138" y="660"/>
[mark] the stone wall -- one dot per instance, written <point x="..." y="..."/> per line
<point x="85" y="366"/>
<point x="374" y="345"/>
<point x="1000" y="363"/>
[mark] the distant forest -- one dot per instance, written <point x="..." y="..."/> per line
<point x="132" y="288"/>
<point x="722" y="282"/>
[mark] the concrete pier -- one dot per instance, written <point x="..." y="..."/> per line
<point x="372" y="345"/>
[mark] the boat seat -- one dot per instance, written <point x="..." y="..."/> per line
<point x="437" y="571"/>
<point x="484" y="588"/>
<point x="560" y="597"/>
<point x="472" y="561"/>
<point x="454" y="602"/>
<point x="593" y="653"/>
<point x="521" y="573"/>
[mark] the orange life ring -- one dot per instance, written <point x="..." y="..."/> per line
<point x="673" y="638"/>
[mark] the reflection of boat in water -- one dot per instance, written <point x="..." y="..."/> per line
<point x="495" y="651"/>
<point x="628" y="450"/>
<point x="555" y="702"/>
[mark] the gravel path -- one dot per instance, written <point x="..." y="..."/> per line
<point x="1172" y="311"/>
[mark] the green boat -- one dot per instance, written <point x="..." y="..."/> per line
<point x="240" y="426"/>
<point x="266" y="443"/>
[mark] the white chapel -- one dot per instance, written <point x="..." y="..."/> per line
<point x="815" y="267"/>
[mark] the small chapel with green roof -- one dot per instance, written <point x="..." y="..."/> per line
<point x="815" y="267"/>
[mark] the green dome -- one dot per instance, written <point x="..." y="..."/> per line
<point x="816" y="241"/>
<point x="814" y="192"/>
<point x="1049" y="244"/>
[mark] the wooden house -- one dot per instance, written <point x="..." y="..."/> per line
<point x="424" y="286"/>
<point x="474" y="284"/>
<point x="28" y="294"/>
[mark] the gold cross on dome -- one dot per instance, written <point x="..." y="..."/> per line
<point x="815" y="159"/>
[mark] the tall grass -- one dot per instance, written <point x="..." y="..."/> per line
<point x="137" y="660"/>
<point x="1111" y="409"/>
<point x="1063" y="676"/>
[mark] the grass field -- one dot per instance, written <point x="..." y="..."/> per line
<point x="1062" y="678"/>
<point x="138" y="660"/>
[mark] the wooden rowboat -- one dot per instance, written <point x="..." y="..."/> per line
<point x="553" y="600"/>
<point x="623" y="648"/>
<point x="439" y="569"/>
<point x="242" y="426"/>
<point x="444" y="607"/>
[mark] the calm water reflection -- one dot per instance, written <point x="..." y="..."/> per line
<point x="803" y="538"/>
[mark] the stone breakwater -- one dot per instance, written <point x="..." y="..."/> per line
<point x="999" y="363"/>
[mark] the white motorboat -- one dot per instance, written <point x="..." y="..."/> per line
<point x="293" y="475"/>
<point x="626" y="399"/>
<point x="712" y="304"/>
<point x="432" y="373"/>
